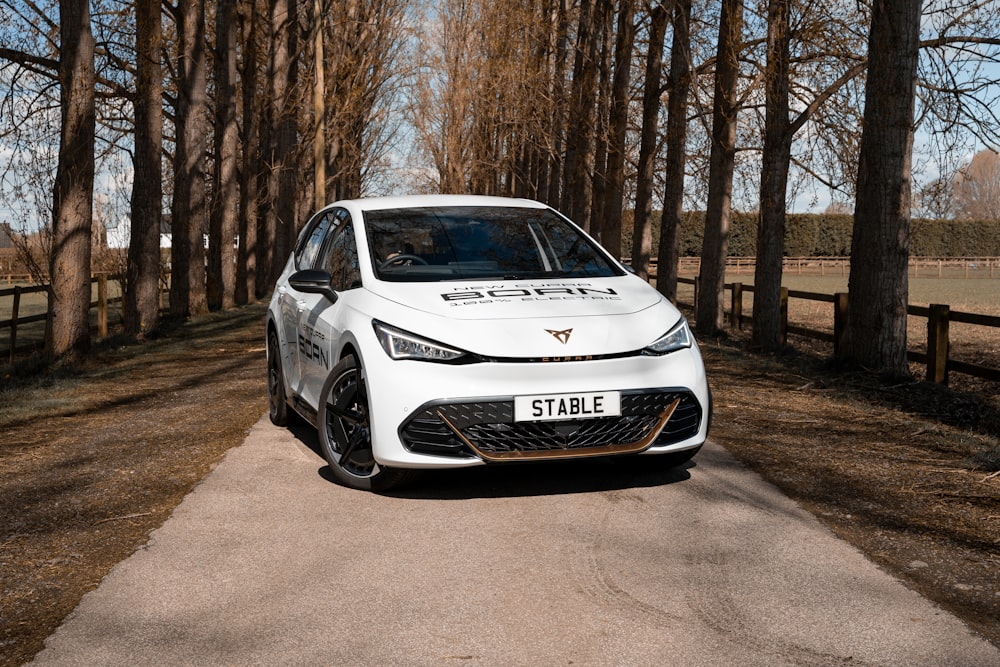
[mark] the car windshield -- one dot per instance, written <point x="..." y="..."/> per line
<point x="454" y="243"/>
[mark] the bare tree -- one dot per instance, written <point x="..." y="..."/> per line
<point x="611" y="225"/>
<point x="142" y="288"/>
<point x="441" y="104"/>
<point x="976" y="189"/>
<point x="364" y="44"/>
<point x="250" y="173"/>
<point x="878" y="286"/>
<point x="598" y="178"/>
<point x="576" y="190"/>
<point x="720" y="184"/>
<point x="225" y="190"/>
<point x="767" y="332"/>
<point x="69" y="300"/>
<point x="678" y="85"/>
<point x="554" y="141"/>
<point x="282" y="190"/>
<point x="189" y="205"/>
<point x="826" y="62"/>
<point x="642" y="232"/>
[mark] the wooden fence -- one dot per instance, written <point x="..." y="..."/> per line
<point x="920" y="267"/>
<point x="938" y="317"/>
<point x="102" y="304"/>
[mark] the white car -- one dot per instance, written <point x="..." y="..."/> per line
<point x="449" y="331"/>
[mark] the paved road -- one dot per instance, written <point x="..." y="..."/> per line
<point x="269" y="563"/>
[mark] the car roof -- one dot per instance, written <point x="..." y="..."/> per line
<point x="426" y="201"/>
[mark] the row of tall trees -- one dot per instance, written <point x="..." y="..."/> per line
<point x="242" y="115"/>
<point x="598" y="104"/>
<point x="211" y="103"/>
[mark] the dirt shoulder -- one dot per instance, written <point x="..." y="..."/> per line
<point x="93" y="460"/>
<point x="903" y="472"/>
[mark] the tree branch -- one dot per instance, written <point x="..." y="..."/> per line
<point x="44" y="66"/>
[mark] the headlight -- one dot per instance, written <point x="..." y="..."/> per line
<point x="400" y="344"/>
<point x="677" y="338"/>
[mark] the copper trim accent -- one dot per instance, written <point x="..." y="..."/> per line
<point x="561" y="336"/>
<point x="624" y="448"/>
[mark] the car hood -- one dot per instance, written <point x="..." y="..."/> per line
<point x="534" y="318"/>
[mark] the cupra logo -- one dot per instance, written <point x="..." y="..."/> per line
<point x="561" y="336"/>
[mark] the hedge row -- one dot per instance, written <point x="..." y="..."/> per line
<point x="823" y="235"/>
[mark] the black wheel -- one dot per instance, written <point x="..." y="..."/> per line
<point x="277" y="398"/>
<point x="345" y="431"/>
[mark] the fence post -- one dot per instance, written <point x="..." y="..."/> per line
<point x="737" y="306"/>
<point x="784" y="316"/>
<point x="13" y="321"/>
<point x="102" y="306"/>
<point x="697" y="290"/>
<point x="839" y="321"/>
<point x="937" y="343"/>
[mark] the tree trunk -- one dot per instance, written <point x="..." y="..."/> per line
<point x="225" y="191"/>
<point x="282" y="182"/>
<point x="642" y="230"/>
<point x="142" y="288"/>
<point x="187" y="276"/>
<point x="767" y="333"/>
<point x="319" y="108"/>
<point x="876" y="328"/>
<point x="73" y="195"/>
<point x="718" y="212"/>
<point x="678" y="85"/>
<point x="611" y="236"/>
<point x="560" y="28"/>
<point x="249" y="173"/>
<point x="599" y="180"/>
<point x="576" y="191"/>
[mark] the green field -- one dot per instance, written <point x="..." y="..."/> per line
<point x="977" y="295"/>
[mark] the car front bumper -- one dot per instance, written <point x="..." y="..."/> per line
<point x="429" y="415"/>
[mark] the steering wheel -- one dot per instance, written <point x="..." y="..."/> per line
<point x="402" y="258"/>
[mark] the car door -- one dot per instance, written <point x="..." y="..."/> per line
<point x="292" y="302"/>
<point x="322" y="322"/>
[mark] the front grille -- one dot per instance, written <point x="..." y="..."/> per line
<point x="486" y="428"/>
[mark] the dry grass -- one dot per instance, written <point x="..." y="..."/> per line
<point x="93" y="459"/>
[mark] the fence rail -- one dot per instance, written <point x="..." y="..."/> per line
<point x="939" y="316"/>
<point x="102" y="304"/>
<point x="920" y="267"/>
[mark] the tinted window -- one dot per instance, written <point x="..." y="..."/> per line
<point x="451" y="243"/>
<point x="341" y="259"/>
<point x="311" y="241"/>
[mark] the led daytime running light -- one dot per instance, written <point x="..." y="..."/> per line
<point x="400" y="344"/>
<point x="678" y="338"/>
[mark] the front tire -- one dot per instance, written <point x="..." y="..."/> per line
<point x="345" y="431"/>
<point x="277" y="397"/>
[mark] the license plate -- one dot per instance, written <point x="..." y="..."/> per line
<point x="567" y="406"/>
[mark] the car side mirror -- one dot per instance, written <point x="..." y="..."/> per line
<point x="313" y="281"/>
